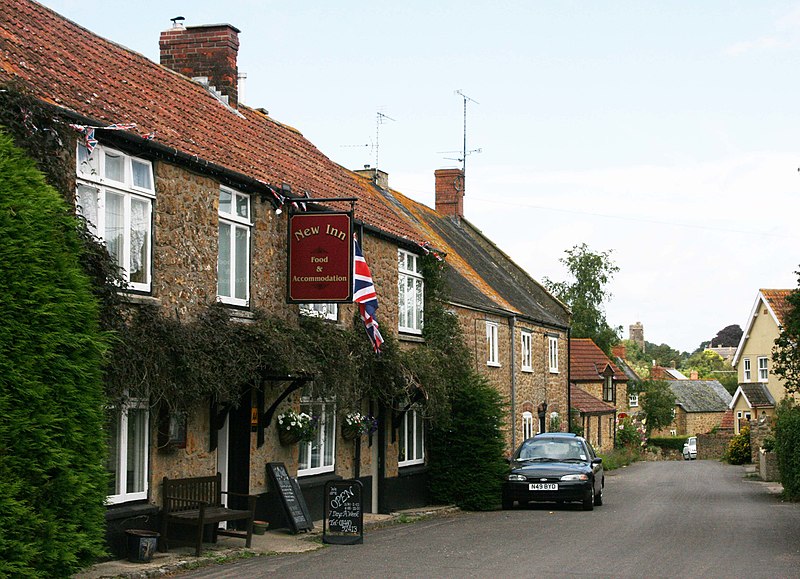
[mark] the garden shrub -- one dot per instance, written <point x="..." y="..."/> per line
<point x="52" y="446"/>
<point x="629" y="435"/>
<point x="739" y="447"/>
<point x="787" y="447"/>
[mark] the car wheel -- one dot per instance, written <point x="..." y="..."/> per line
<point x="598" y="498"/>
<point x="588" y="502"/>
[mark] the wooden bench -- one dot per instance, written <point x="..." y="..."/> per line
<point x="197" y="502"/>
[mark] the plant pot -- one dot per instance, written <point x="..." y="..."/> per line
<point x="141" y="545"/>
<point x="287" y="438"/>
<point x="350" y="433"/>
<point x="260" y="527"/>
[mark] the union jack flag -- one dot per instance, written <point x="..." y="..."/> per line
<point x="366" y="298"/>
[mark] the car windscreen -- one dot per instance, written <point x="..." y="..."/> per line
<point x="552" y="450"/>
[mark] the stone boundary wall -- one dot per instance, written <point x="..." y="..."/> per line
<point x="713" y="446"/>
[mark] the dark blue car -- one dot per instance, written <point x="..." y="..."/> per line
<point x="555" y="467"/>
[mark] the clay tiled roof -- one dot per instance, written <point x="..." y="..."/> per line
<point x="776" y="298"/>
<point x="100" y="81"/>
<point x="588" y="362"/>
<point x="586" y="403"/>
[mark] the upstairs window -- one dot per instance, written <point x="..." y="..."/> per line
<point x="763" y="371"/>
<point x="527" y="358"/>
<point x="492" y="354"/>
<point x="233" y="258"/>
<point x="324" y="311"/>
<point x="115" y="195"/>
<point x="411" y="292"/>
<point x="608" y="389"/>
<point x="746" y="369"/>
<point x="552" y="353"/>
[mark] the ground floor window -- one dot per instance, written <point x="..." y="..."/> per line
<point x="319" y="455"/>
<point x="411" y="446"/>
<point x="527" y="425"/>
<point x="128" y="442"/>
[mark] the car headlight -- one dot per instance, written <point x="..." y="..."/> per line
<point x="517" y="477"/>
<point x="575" y="477"/>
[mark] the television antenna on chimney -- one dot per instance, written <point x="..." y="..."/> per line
<point x="464" y="151"/>
<point x="381" y="119"/>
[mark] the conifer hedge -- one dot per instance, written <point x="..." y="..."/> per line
<point x="52" y="449"/>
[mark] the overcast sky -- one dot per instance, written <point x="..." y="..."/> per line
<point x="664" y="131"/>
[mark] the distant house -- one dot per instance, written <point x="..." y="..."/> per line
<point x="592" y="415"/>
<point x="594" y="373"/>
<point x="700" y="406"/>
<point x="759" y="390"/>
<point x="634" y="380"/>
<point x="664" y="373"/>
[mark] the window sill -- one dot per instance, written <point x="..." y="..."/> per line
<point x="141" y="299"/>
<point x="527" y="370"/>
<point x="411" y="469"/>
<point x="554" y="371"/>
<point x="315" y="480"/>
<point x="411" y="338"/>
<point x="493" y="364"/>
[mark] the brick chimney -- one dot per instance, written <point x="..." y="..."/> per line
<point x="380" y="178"/>
<point x="450" y="192"/>
<point x="204" y="51"/>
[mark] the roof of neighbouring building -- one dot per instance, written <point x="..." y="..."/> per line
<point x="756" y="394"/>
<point x="700" y="395"/>
<point x="627" y="369"/>
<point x="588" y="362"/>
<point x="586" y="403"/>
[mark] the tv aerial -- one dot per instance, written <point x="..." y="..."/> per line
<point x="464" y="152"/>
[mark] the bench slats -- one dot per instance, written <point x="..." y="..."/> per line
<point x="197" y="502"/>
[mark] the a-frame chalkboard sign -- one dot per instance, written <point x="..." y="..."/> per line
<point x="294" y="505"/>
<point x="343" y="523"/>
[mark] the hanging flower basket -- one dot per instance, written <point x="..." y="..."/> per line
<point x="294" y="427"/>
<point x="355" y="424"/>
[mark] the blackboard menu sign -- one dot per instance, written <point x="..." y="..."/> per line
<point x="344" y="513"/>
<point x="294" y="504"/>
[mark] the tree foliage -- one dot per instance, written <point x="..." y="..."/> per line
<point x="727" y="337"/>
<point x="786" y="353"/>
<point x="586" y="294"/>
<point x="658" y="404"/>
<point x="787" y="447"/>
<point x="52" y="446"/>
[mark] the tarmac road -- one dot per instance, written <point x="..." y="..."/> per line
<point x="660" y="519"/>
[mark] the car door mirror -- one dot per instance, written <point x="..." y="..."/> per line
<point x="597" y="460"/>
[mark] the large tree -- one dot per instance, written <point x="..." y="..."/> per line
<point x="786" y="354"/>
<point x="52" y="446"/>
<point x="727" y="337"/>
<point x="586" y="294"/>
<point x="658" y="404"/>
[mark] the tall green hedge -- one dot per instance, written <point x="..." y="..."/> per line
<point x="787" y="447"/>
<point x="52" y="449"/>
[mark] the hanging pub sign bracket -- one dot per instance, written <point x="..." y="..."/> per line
<point x="320" y="255"/>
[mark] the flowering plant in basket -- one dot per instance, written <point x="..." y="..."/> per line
<point x="296" y="427"/>
<point x="355" y="424"/>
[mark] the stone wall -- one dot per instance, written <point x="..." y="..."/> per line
<point x="713" y="446"/>
<point x="768" y="466"/>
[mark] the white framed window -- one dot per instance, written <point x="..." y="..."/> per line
<point x="673" y="432"/>
<point x="527" y="425"/>
<point x="492" y="354"/>
<point x="128" y="442"/>
<point x="324" y="311"/>
<point x="319" y="455"/>
<point x="115" y="194"/>
<point x="552" y="353"/>
<point x="527" y="356"/>
<point x="633" y="399"/>
<point x="763" y="371"/>
<point x="411" y="440"/>
<point x="233" y="257"/>
<point x="746" y="369"/>
<point x="411" y="296"/>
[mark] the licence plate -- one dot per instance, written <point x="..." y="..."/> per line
<point x="542" y="486"/>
